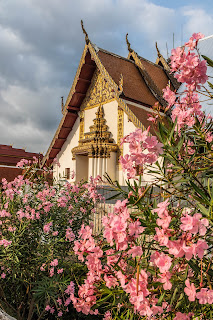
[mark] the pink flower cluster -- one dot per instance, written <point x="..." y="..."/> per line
<point x="143" y="150"/>
<point x="5" y="243"/>
<point x="188" y="68"/>
<point x="87" y="292"/>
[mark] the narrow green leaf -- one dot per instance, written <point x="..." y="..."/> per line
<point x="173" y="129"/>
<point x="199" y="192"/>
<point x="174" y="295"/>
<point x="208" y="60"/>
<point x="161" y="298"/>
<point x="210" y="84"/>
<point x="203" y="209"/>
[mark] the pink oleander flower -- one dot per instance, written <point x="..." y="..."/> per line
<point x="194" y="224"/>
<point x="190" y="290"/>
<point x="164" y="278"/>
<point x="60" y="314"/>
<point x="5" y="243"/>
<point x="107" y="315"/>
<point x="162" y="261"/>
<point x="42" y="268"/>
<point x="47" y="226"/>
<point x="52" y="310"/>
<point x="69" y="234"/>
<point x="182" y="316"/>
<point x="161" y="237"/>
<point x="135" y="251"/>
<point x="60" y="270"/>
<point x="110" y="281"/>
<point x="47" y="308"/>
<point x="205" y="296"/>
<point x="51" y="272"/>
<point x="162" y="208"/>
<point x="169" y="96"/>
<point x="3" y="275"/>
<point x="135" y="229"/>
<point x="59" y="301"/>
<point x="143" y="150"/>
<point x="70" y="288"/>
<point x="54" y="263"/>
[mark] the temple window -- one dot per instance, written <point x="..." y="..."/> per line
<point x="67" y="173"/>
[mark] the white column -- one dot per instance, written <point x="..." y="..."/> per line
<point x="95" y="168"/>
<point x="111" y="165"/>
<point x="104" y="166"/>
<point x="100" y="171"/>
<point x="91" y="167"/>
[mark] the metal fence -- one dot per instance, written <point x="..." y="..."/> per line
<point x="104" y="207"/>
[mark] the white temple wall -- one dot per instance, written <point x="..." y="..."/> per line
<point x="82" y="167"/>
<point x="111" y="165"/>
<point x="64" y="157"/>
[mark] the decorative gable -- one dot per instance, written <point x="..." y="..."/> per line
<point x="98" y="92"/>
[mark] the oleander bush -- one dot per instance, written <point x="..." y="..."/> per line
<point x="155" y="260"/>
<point x="38" y="226"/>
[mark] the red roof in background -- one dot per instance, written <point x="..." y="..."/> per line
<point x="10" y="156"/>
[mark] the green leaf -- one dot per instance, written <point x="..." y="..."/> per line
<point x="174" y="295"/>
<point x="172" y="131"/>
<point x="194" y="266"/>
<point x="203" y="209"/>
<point x="210" y="84"/>
<point x="208" y="60"/>
<point x="161" y="298"/>
<point x="200" y="192"/>
<point x="179" y="300"/>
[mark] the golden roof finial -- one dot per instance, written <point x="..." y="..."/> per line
<point x="128" y="44"/>
<point x="84" y="31"/>
<point x="158" y="51"/>
<point x="62" y="104"/>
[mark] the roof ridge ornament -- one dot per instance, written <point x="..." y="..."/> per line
<point x="158" y="51"/>
<point x="121" y="84"/>
<point x="87" y="40"/>
<point x="161" y="59"/>
<point x="128" y="44"/>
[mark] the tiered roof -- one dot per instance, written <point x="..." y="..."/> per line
<point x="143" y="82"/>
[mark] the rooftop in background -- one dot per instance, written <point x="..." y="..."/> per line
<point x="9" y="156"/>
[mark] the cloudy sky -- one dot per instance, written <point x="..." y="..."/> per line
<point x="41" y="43"/>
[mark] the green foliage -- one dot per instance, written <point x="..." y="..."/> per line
<point x="25" y="209"/>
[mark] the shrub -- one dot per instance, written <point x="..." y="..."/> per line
<point x="156" y="262"/>
<point x="38" y="224"/>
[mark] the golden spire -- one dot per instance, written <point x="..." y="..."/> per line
<point x="128" y="44"/>
<point x="84" y="31"/>
<point x="161" y="59"/>
<point x="158" y="51"/>
<point x="62" y="104"/>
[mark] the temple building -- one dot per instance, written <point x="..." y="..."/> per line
<point x="109" y="98"/>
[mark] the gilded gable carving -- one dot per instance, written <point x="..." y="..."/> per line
<point x="98" y="92"/>
<point x="97" y="142"/>
<point x="120" y="133"/>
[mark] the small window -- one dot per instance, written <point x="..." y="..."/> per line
<point x="67" y="173"/>
<point x="139" y="170"/>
